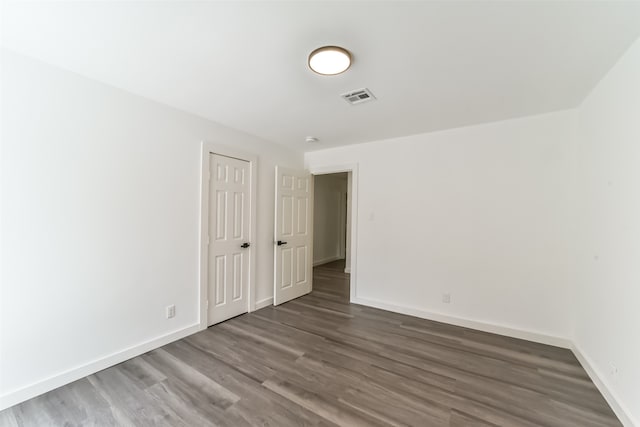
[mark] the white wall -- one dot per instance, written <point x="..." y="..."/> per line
<point x="532" y="224"/>
<point x="481" y="212"/>
<point x="607" y="293"/>
<point x="329" y="217"/>
<point x="100" y="217"/>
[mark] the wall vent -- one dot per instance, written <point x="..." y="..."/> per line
<point x="358" y="96"/>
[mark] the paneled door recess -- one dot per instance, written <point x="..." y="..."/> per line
<point x="229" y="230"/>
<point x="293" y="235"/>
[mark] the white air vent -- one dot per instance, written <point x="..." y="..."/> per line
<point x="358" y="96"/>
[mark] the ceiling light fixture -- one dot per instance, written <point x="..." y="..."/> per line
<point x="311" y="139"/>
<point x="330" y="60"/>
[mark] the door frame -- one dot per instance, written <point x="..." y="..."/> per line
<point x="208" y="148"/>
<point x="353" y="242"/>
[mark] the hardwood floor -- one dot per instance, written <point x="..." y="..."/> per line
<point x="321" y="361"/>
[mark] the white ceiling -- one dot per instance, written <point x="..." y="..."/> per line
<point x="432" y="65"/>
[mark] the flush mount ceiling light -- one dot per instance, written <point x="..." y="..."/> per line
<point x="330" y="60"/>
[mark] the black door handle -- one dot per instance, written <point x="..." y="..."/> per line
<point x="245" y="245"/>
<point x="280" y="243"/>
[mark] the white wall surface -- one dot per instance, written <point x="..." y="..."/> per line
<point x="329" y="217"/>
<point x="607" y="293"/>
<point x="100" y="217"/>
<point x="481" y="212"/>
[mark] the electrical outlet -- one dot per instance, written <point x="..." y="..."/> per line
<point x="171" y="311"/>
<point x="446" y="298"/>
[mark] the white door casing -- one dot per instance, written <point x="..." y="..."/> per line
<point x="229" y="229"/>
<point x="293" y="255"/>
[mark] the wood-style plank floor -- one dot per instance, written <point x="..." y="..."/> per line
<point x="321" y="361"/>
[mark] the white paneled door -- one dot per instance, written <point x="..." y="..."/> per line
<point x="293" y="235"/>
<point x="229" y="230"/>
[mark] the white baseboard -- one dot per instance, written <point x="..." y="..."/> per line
<point x="600" y="381"/>
<point x="327" y="260"/>
<point x="347" y="270"/>
<point x="468" y="323"/>
<point x="25" y="393"/>
<point x="623" y="414"/>
<point x="264" y="303"/>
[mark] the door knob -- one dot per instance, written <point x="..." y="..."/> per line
<point x="245" y="245"/>
<point x="280" y="243"/>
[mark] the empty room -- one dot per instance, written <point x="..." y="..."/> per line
<point x="320" y="213"/>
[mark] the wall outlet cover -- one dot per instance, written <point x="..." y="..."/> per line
<point x="171" y="311"/>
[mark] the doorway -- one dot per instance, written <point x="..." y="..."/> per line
<point x="332" y="227"/>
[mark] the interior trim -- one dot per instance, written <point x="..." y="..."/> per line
<point x="32" y="390"/>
